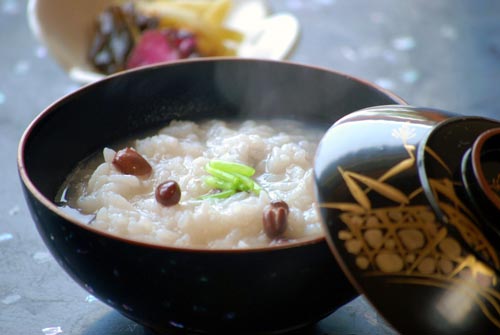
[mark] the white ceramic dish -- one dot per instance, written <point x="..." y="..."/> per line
<point x="65" y="28"/>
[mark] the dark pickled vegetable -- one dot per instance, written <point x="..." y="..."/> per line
<point x="118" y="28"/>
<point x="125" y="38"/>
<point x="168" y="193"/>
<point x="275" y="218"/>
<point x="129" y="161"/>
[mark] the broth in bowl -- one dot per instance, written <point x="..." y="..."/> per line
<point x="216" y="184"/>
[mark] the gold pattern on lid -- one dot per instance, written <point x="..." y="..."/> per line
<point x="406" y="243"/>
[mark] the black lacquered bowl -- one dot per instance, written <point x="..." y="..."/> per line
<point x="271" y="289"/>
<point x="411" y="208"/>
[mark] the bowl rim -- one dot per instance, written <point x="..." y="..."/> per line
<point x="50" y="205"/>
<point x="476" y="151"/>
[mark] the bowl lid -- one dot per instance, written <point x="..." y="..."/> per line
<point x="409" y="197"/>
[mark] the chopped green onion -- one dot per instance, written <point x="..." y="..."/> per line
<point x="246" y="183"/>
<point x="221" y="174"/>
<point x="219" y="195"/>
<point x="243" y="188"/>
<point x="249" y="184"/>
<point x="232" y="167"/>
<point x="257" y="188"/>
<point x="220" y="184"/>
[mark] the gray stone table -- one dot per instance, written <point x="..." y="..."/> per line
<point x="444" y="54"/>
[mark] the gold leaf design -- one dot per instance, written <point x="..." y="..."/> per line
<point x="343" y="206"/>
<point x="398" y="168"/>
<point x="445" y="187"/>
<point x="405" y="132"/>
<point x="438" y="159"/>
<point x="415" y="193"/>
<point x="355" y="189"/>
<point x="409" y="245"/>
<point x="486" y="298"/>
<point x="471" y="233"/>
<point x="429" y="248"/>
<point x="384" y="189"/>
<point x="401" y="166"/>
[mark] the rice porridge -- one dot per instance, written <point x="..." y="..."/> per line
<point x="181" y="197"/>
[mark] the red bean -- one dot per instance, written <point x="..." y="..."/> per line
<point x="129" y="161"/>
<point x="280" y="203"/>
<point x="275" y="218"/>
<point x="168" y="193"/>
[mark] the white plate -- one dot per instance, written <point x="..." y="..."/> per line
<point x="65" y="28"/>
